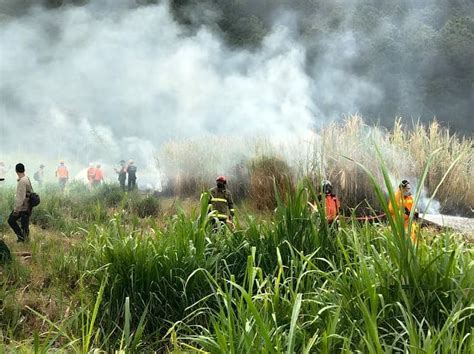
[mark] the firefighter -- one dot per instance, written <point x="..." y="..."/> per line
<point x="405" y="204"/>
<point x="221" y="203"/>
<point x="39" y="176"/>
<point x="132" y="175"/>
<point x="331" y="202"/>
<point x="91" y="175"/>
<point x="122" y="174"/>
<point x="62" y="174"/>
<point x="99" y="176"/>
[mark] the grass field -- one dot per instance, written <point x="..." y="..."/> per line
<point x="103" y="277"/>
<point x="108" y="271"/>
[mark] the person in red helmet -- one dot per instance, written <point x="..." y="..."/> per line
<point x="222" y="205"/>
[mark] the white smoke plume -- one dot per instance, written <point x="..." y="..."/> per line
<point x="105" y="81"/>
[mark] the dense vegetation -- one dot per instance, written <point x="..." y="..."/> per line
<point x="282" y="282"/>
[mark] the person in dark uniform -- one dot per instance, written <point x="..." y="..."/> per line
<point x="122" y="174"/>
<point x="222" y="204"/>
<point x="132" y="175"/>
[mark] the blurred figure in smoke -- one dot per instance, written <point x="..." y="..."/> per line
<point x="122" y="174"/>
<point x="22" y="208"/>
<point x="62" y="174"/>
<point x="132" y="175"/>
<point x="405" y="204"/>
<point x="221" y="203"/>
<point x="99" y="176"/>
<point x="2" y="171"/>
<point x="39" y="176"/>
<point x="91" y="175"/>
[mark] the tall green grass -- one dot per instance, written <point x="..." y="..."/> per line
<point x="287" y="284"/>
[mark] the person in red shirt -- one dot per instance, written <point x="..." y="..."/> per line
<point x="99" y="176"/>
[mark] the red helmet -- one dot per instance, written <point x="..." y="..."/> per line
<point x="221" y="179"/>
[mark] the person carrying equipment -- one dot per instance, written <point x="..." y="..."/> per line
<point x="221" y="202"/>
<point x="132" y="175"/>
<point x="405" y="204"/>
<point x="22" y="208"/>
<point x="62" y="175"/>
<point x="122" y="174"/>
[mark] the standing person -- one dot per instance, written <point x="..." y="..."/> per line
<point x="132" y="175"/>
<point x="405" y="204"/>
<point x="99" y="176"/>
<point x="221" y="202"/>
<point x="22" y="209"/>
<point x="39" y="176"/>
<point x="91" y="175"/>
<point x="62" y="175"/>
<point x="122" y="174"/>
<point x="330" y="202"/>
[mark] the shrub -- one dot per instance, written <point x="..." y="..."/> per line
<point x="145" y="206"/>
<point x="268" y="176"/>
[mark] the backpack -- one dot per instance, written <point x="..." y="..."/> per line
<point x="34" y="198"/>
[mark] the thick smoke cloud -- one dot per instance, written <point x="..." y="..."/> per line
<point x="95" y="81"/>
<point x="92" y="80"/>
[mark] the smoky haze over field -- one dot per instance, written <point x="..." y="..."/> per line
<point x="103" y="79"/>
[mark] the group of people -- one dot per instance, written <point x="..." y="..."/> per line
<point x="95" y="175"/>
<point x="127" y="171"/>
<point x="222" y="205"/>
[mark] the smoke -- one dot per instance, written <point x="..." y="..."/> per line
<point x="112" y="79"/>
<point x="107" y="81"/>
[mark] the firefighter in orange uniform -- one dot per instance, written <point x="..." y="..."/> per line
<point x="405" y="204"/>
<point x="62" y="174"/>
<point x="99" y="176"/>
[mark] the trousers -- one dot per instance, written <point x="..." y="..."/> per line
<point x="21" y="232"/>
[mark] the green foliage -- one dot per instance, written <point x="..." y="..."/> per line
<point x="145" y="207"/>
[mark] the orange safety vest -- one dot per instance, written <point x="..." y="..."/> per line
<point x="91" y="173"/>
<point x="99" y="175"/>
<point x="62" y="172"/>
<point x="332" y="207"/>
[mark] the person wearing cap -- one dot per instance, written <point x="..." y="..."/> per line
<point x="221" y="202"/>
<point x="39" y="176"/>
<point x="62" y="174"/>
<point x="22" y="209"/>
<point x="122" y="174"/>
<point x="405" y="204"/>
<point x="132" y="175"/>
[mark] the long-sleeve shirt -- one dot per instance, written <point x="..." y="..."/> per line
<point x="23" y="188"/>
<point x="221" y="201"/>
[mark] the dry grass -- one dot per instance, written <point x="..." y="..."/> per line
<point x="192" y="165"/>
<point x="268" y="175"/>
